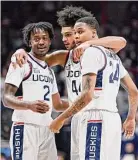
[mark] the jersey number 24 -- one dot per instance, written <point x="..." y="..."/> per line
<point x="114" y="76"/>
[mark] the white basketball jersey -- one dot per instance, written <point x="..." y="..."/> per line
<point x="38" y="83"/>
<point x="109" y="69"/>
<point x="73" y="78"/>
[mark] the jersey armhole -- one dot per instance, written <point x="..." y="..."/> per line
<point x="105" y="62"/>
<point x="30" y="71"/>
<point x="67" y="57"/>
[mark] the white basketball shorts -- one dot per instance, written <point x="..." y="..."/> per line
<point x="97" y="136"/>
<point x="32" y="142"/>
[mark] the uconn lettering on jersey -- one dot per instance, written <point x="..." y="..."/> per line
<point x="71" y="73"/>
<point x="42" y="78"/>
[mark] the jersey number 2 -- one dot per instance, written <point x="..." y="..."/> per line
<point x="47" y="92"/>
<point x="74" y="87"/>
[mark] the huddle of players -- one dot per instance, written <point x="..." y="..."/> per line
<point x="36" y="76"/>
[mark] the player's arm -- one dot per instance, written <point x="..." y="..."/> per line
<point x="88" y="84"/>
<point x="56" y="58"/>
<point x="58" y="103"/>
<point x="113" y="42"/>
<point x="132" y="90"/>
<point x="10" y="100"/>
<point x="13" y="102"/>
<point x="13" y="79"/>
<point x="129" y="124"/>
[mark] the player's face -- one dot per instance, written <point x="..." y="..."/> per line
<point x="40" y="42"/>
<point x="68" y="37"/>
<point x="83" y="33"/>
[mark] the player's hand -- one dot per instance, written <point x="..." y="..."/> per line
<point x="78" y="51"/>
<point x="56" y="125"/>
<point x="38" y="106"/>
<point x="129" y="127"/>
<point x="19" y="58"/>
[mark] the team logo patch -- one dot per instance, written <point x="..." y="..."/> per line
<point x="36" y="70"/>
<point x="68" y="67"/>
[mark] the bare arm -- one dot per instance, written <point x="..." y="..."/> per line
<point x="131" y="88"/>
<point x="12" y="102"/>
<point x="57" y="58"/>
<point x="88" y="83"/>
<point x="113" y="42"/>
<point x="58" y="103"/>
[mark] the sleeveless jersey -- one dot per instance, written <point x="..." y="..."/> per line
<point x="38" y="83"/>
<point x="109" y="69"/>
<point x="73" y="78"/>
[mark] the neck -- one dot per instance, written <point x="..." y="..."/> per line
<point x="42" y="58"/>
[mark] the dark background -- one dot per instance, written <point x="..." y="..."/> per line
<point x="115" y="18"/>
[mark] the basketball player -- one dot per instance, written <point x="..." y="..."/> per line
<point x="66" y="19"/>
<point x="99" y="124"/>
<point x="31" y="138"/>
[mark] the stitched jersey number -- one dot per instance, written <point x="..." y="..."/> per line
<point x="47" y="93"/>
<point x="114" y="76"/>
<point x="74" y="87"/>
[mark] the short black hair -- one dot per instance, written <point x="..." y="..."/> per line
<point x="31" y="27"/>
<point x="92" y="22"/>
<point x="69" y="15"/>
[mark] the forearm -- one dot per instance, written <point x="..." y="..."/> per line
<point x="12" y="102"/>
<point x="112" y="42"/>
<point x="133" y="104"/>
<point x="63" y="106"/>
<point x="78" y="105"/>
<point x="56" y="58"/>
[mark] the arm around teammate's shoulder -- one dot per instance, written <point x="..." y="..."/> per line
<point x="57" y="58"/>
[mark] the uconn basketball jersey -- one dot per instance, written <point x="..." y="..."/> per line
<point x="109" y="69"/>
<point x="99" y="124"/>
<point x="73" y="78"/>
<point x="38" y="83"/>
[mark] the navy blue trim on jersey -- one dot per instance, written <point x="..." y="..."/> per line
<point x="93" y="140"/>
<point x="99" y="79"/>
<point x="67" y="57"/>
<point x="50" y="70"/>
<point x="30" y="72"/>
<point x="104" y="58"/>
<point x="18" y="135"/>
<point x="44" y="67"/>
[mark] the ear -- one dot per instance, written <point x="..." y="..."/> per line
<point x="94" y="33"/>
<point x="50" y="42"/>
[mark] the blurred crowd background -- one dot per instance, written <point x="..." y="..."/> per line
<point x="115" y="18"/>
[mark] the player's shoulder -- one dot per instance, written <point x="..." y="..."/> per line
<point x="95" y="51"/>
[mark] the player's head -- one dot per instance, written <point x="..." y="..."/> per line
<point x="66" y="19"/>
<point x="86" y="28"/>
<point x="38" y="36"/>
